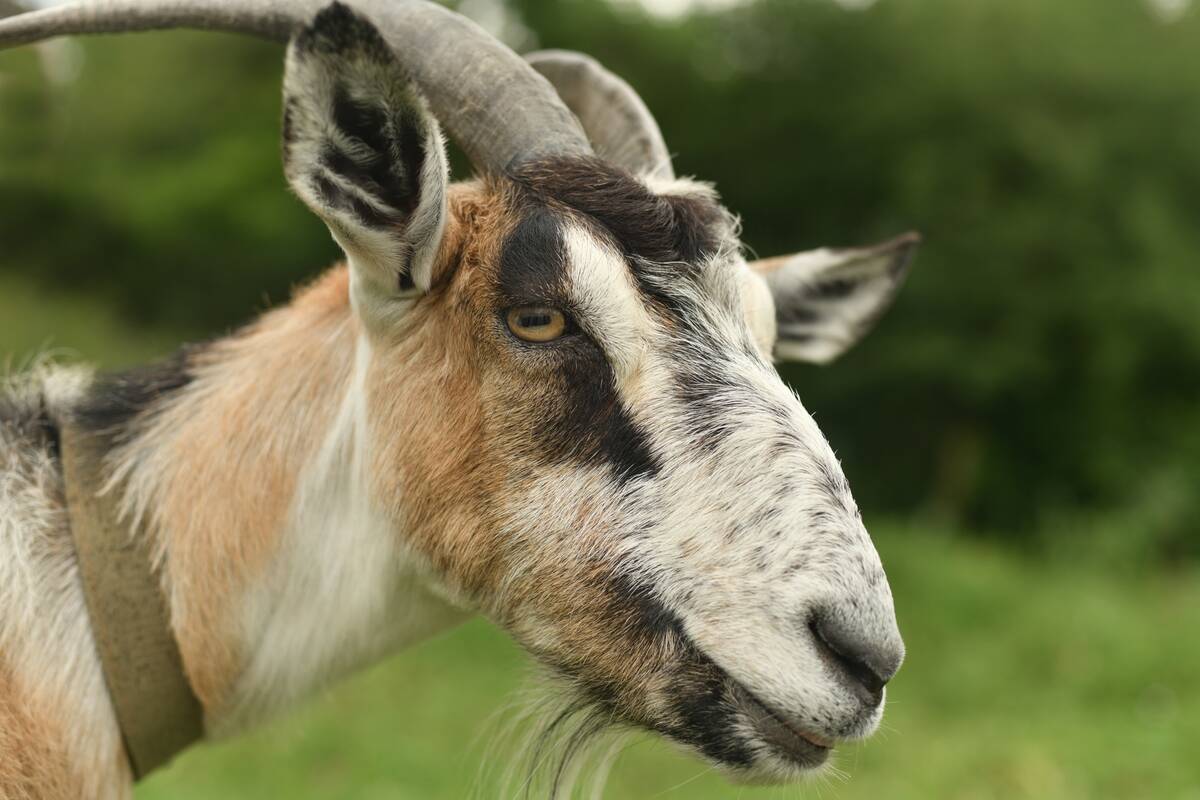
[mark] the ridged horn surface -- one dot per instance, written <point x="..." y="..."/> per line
<point x="616" y="120"/>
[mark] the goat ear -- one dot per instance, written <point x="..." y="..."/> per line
<point x="361" y="149"/>
<point x="826" y="300"/>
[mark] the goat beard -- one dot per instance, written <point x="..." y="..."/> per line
<point x="568" y="743"/>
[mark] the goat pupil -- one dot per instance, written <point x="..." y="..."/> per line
<point x="536" y="323"/>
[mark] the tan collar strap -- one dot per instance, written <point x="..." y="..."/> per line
<point x="156" y="708"/>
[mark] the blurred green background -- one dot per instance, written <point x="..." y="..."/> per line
<point x="1022" y="430"/>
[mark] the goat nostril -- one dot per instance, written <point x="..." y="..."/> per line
<point x="851" y="656"/>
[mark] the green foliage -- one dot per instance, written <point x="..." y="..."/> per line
<point x="38" y="324"/>
<point x="1042" y="365"/>
<point x="154" y="180"/>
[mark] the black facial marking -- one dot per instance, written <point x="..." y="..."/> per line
<point x="667" y="241"/>
<point x="114" y="401"/>
<point x="533" y="260"/>
<point x="592" y="426"/>
<point x="701" y="697"/>
<point x="645" y="226"/>
<point x="704" y="701"/>
<point x="634" y="601"/>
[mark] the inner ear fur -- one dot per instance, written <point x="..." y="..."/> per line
<point x="362" y="150"/>
<point x="826" y="300"/>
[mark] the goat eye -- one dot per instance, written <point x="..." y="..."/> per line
<point x="536" y="323"/>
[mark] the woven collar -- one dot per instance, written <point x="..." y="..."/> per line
<point x="157" y="710"/>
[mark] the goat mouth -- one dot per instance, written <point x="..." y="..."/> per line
<point x="733" y="723"/>
<point x="806" y="750"/>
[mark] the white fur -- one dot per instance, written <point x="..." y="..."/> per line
<point x="745" y="592"/>
<point x="376" y="256"/>
<point x="342" y="592"/>
<point x="758" y="306"/>
<point x="607" y="299"/>
<point x="45" y="636"/>
<point x="837" y="322"/>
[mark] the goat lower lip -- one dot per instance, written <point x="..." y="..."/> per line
<point x="806" y="749"/>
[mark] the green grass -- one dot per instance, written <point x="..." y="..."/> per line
<point x="1052" y="678"/>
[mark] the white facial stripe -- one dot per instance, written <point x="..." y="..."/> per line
<point x="608" y="300"/>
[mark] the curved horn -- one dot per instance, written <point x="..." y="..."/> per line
<point x="498" y="109"/>
<point x="617" y="122"/>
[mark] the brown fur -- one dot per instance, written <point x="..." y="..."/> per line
<point x="34" y="764"/>
<point x="237" y="419"/>
<point x="443" y="401"/>
<point x="429" y="418"/>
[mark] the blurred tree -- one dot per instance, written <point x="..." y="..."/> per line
<point x="154" y="178"/>
<point x="1043" y="363"/>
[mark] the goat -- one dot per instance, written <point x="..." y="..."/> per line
<point x="545" y="394"/>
